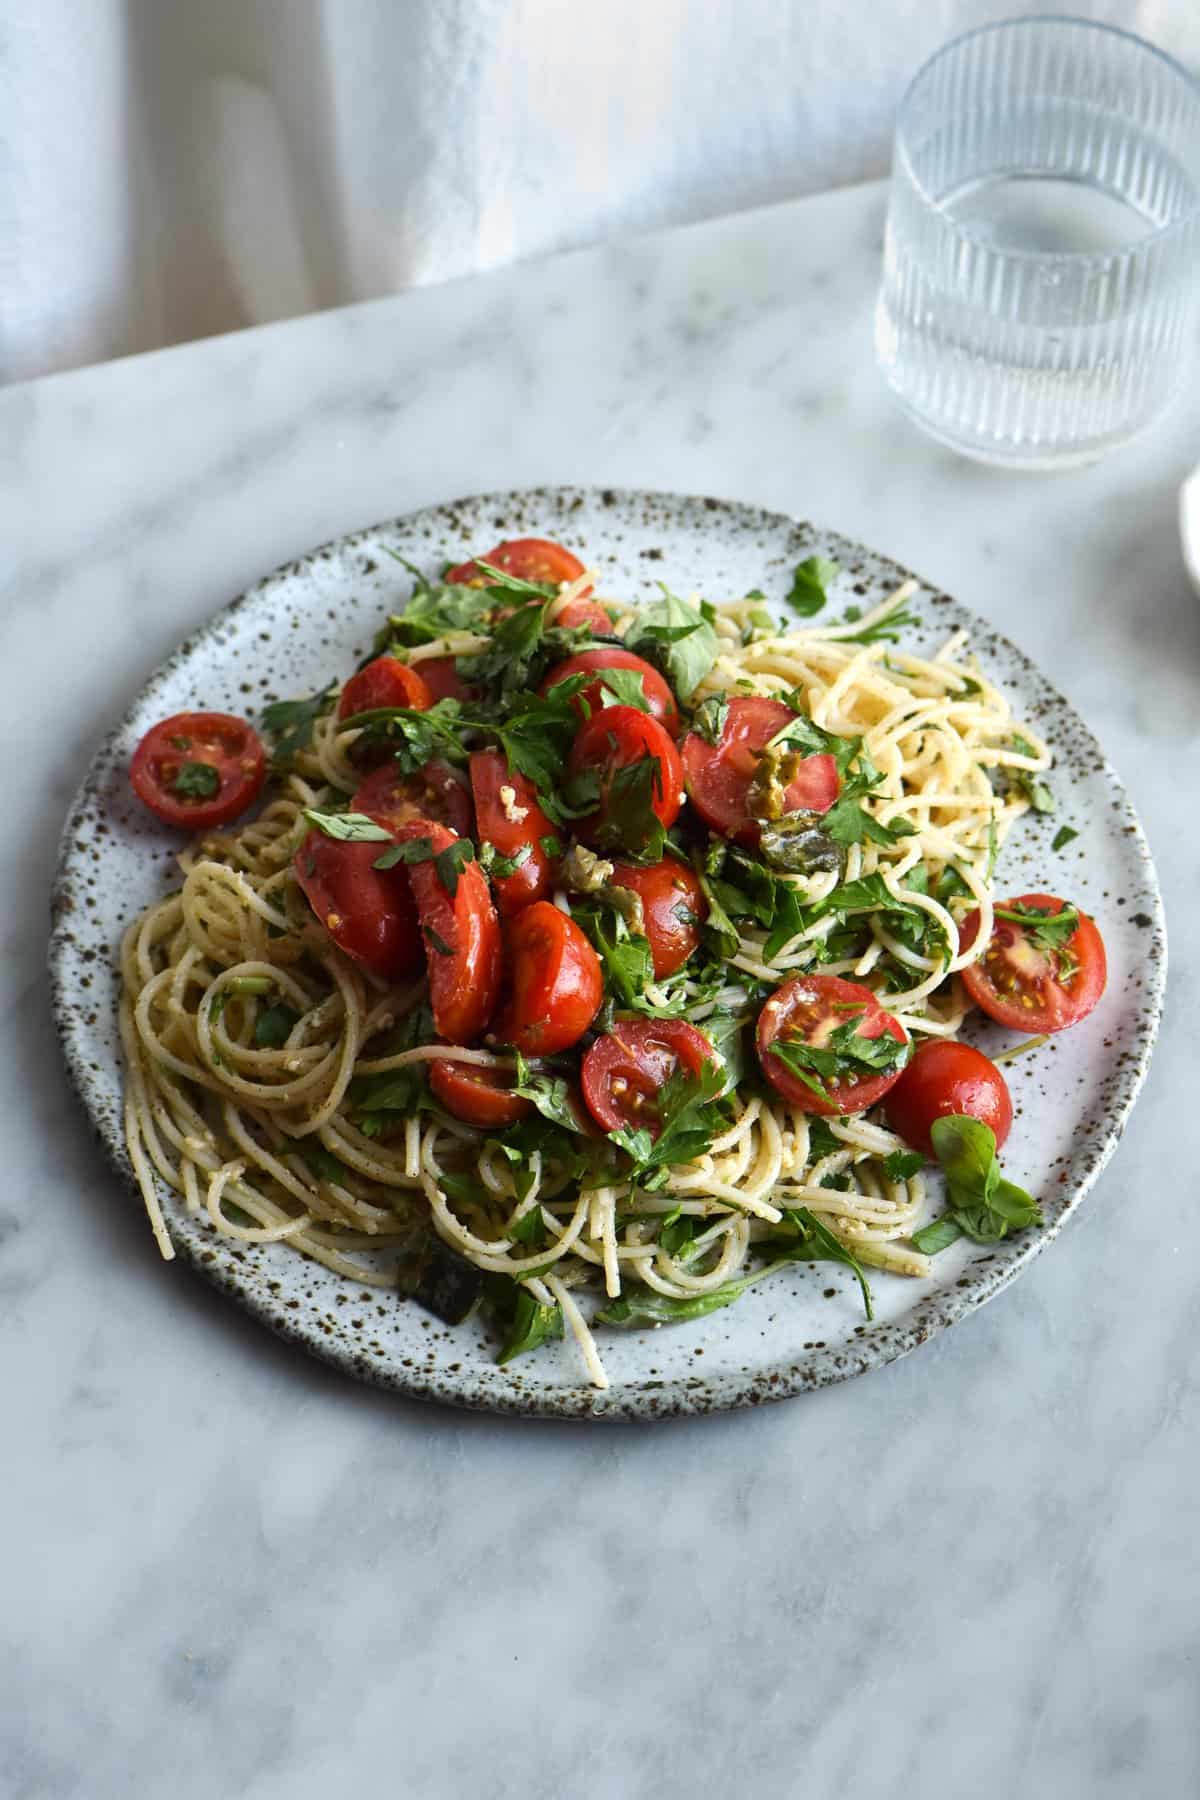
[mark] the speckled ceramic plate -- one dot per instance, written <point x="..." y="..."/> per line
<point x="800" y="1329"/>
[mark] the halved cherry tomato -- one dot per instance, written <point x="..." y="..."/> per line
<point x="461" y="933"/>
<point x="512" y="821"/>
<point x="673" y="908"/>
<point x="624" y="1070"/>
<point x="368" y="912"/>
<point x="810" y="1008"/>
<point x="529" y="559"/>
<point x="199" y="769"/>
<point x="943" y="1078"/>
<point x="613" y="740"/>
<point x="720" y="776"/>
<point x="577" y="613"/>
<point x="437" y="792"/>
<point x="385" y="682"/>
<point x="555" y="982"/>
<point x="589" y="700"/>
<point x="478" y="1096"/>
<point x="440" y="675"/>
<point x="1030" y="987"/>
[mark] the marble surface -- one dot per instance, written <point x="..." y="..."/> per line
<point x="227" y="1570"/>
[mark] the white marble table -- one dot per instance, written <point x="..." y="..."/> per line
<point x="227" y="1571"/>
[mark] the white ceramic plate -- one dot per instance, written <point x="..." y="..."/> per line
<point x="802" y="1328"/>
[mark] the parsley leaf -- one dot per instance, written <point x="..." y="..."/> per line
<point x="845" y="1057"/>
<point x="528" y="1322"/>
<point x="501" y="867"/>
<point x="901" y="1165"/>
<point x="348" y="828"/>
<point x="884" y="631"/>
<point x="1066" y="834"/>
<point x="809" y="581"/>
<point x="415" y="738"/>
<point x="1028" y="781"/>
<point x="290" y="722"/>
<point x="678" y="639"/>
<point x="196" y="781"/>
<point x="623" y="687"/>
<point x="687" y="1122"/>
<point x="624" y="953"/>
<point x="550" y="1093"/>
<point x="449" y="862"/>
<point x="819" y="1244"/>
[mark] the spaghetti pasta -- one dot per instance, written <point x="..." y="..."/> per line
<point x="250" y="1039"/>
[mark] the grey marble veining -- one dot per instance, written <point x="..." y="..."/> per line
<point x="226" y="1571"/>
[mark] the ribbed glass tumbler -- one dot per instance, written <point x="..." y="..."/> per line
<point x="1042" y="253"/>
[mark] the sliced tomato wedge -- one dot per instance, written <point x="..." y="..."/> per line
<point x="590" y="699"/>
<point x="438" y="792"/>
<point x="624" y="1071"/>
<point x="555" y="983"/>
<point x="440" y="675"/>
<point x="808" y="1010"/>
<point x="618" y="739"/>
<point x="461" y="934"/>
<point x="198" y="769"/>
<point x="720" y="776"/>
<point x="385" y="682"/>
<point x="1028" y="978"/>
<point x="477" y="1096"/>
<point x="578" y="613"/>
<point x="673" y="908"/>
<point x="943" y="1078"/>
<point x="368" y="912"/>
<point x="529" y="559"/>
<point x="511" y="819"/>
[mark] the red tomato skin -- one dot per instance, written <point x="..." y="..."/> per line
<point x="943" y="1078"/>
<point x="464" y="979"/>
<point x="529" y="559"/>
<point x="440" y="675"/>
<point x="477" y="1096"/>
<point x="1059" y="1007"/>
<point x="534" y="879"/>
<point x="588" y="703"/>
<point x="555" y="982"/>
<point x="808" y="998"/>
<point x="613" y="739"/>
<point x="577" y="613"/>
<point x="644" y="1054"/>
<point x="719" y="775"/>
<point x="224" y="743"/>
<point x="666" y="889"/>
<point x="436" y="792"/>
<point x="368" y="912"/>
<point x="385" y="682"/>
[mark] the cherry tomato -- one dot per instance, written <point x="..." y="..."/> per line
<point x="577" y="613"/>
<point x="720" y="776"/>
<point x="512" y="821"/>
<point x="810" y="1008"/>
<point x="461" y="933"/>
<point x="385" y="682"/>
<point x="478" y="1096"/>
<point x="529" y="559"/>
<point x="1031" y="987"/>
<point x="616" y="739"/>
<point x="624" y="1070"/>
<point x="589" y="700"/>
<point x="555" y="982"/>
<point x="440" y="675"/>
<point x="437" y="792"/>
<point x="199" y="769"/>
<point x="945" y="1077"/>
<point x="673" y="908"/>
<point x="368" y="912"/>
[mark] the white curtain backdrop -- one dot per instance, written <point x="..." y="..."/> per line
<point x="170" y="168"/>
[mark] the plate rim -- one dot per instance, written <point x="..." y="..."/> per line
<point x="643" y="1401"/>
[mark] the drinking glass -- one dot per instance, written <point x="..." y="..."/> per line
<point x="1039" y="296"/>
